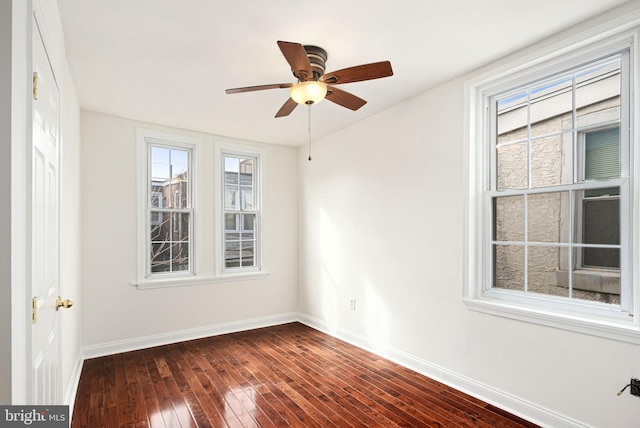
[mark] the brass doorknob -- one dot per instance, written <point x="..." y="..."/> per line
<point x="66" y="303"/>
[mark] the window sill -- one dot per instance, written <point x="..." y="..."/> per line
<point x="614" y="327"/>
<point x="198" y="280"/>
<point x="598" y="281"/>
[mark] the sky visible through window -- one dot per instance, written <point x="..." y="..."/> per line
<point x="167" y="163"/>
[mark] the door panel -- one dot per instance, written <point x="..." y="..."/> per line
<point x="45" y="335"/>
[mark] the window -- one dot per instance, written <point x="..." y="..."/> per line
<point x="551" y="227"/>
<point x="192" y="233"/>
<point x="240" y="211"/>
<point x="169" y="209"/>
<point x="167" y="217"/>
<point x="167" y="200"/>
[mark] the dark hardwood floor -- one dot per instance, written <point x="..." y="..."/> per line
<point x="284" y="376"/>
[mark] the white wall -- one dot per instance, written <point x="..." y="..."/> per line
<point x="114" y="311"/>
<point x="381" y="221"/>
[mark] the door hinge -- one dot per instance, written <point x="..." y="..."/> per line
<point x="35" y="85"/>
<point x="34" y="310"/>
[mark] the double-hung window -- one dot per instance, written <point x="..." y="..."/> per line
<point x="167" y="206"/>
<point x="200" y="212"/>
<point x="551" y="210"/>
<point x="241" y="211"/>
<point x="170" y="209"/>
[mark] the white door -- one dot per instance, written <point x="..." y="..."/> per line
<point x="45" y="348"/>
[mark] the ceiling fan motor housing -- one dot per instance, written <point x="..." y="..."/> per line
<point x="317" y="57"/>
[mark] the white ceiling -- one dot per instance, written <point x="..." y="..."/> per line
<point x="169" y="61"/>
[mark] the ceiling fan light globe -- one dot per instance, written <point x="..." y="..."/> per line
<point x="309" y="92"/>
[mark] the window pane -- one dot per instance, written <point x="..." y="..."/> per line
<point x="552" y="160"/>
<point x="601" y="221"/>
<point x="602" y="154"/>
<point x="508" y="269"/>
<point x="231" y="223"/>
<point x="179" y="162"/>
<point x="156" y="196"/>
<point x="231" y="182"/>
<point x="543" y="263"/>
<point x="246" y="169"/>
<point x="248" y="227"/>
<point x="247" y="198"/>
<point x="232" y="254"/>
<point x="180" y="257"/>
<point x="512" y="167"/>
<point x="240" y="227"/>
<point x="508" y="218"/>
<point x="599" y="217"/>
<point x="248" y="256"/>
<point x="548" y="217"/>
<point x="231" y="164"/>
<point x="551" y="106"/>
<point x="160" y="257"/>
<point x="169" y="178"/>
<point x="180" y="227"/>
<point x="596" y="285"/>
<point x="160" y="160"/>
<point x="160" y="226"/>
<point x="512" y="118"/>
<point x="232" y="240"/>
<point x="599" y="85"/>
<point x="230" y="198"/>
<point x="601" y="258"/>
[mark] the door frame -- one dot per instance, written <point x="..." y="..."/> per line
<point x="17" y="338"/>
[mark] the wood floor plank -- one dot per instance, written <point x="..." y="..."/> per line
<point x="354" y="412"/>
<point x="302" y="394"/>
<point x="467" y="415"/>
<point x="423" y="405"/>
<point x="283" y="376"/>
<point x="369" y="398"/>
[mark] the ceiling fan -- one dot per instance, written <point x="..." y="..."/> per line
<point x="308" y="66"/>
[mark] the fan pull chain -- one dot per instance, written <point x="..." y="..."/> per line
<point x="309" y="121"/>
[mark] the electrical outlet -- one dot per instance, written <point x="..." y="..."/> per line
<point x="635" y="387"/>
<point x="352" y="304"/>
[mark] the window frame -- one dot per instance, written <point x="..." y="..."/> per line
<point x="169" y="210"/>
<point x="234" y="149"/>
<point x="145" y="140"/>
<point x="589" y="318"/>
<point x="206" y="252"/>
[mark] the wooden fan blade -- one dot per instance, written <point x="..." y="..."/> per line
<point x="297" y="58"/>
<point x="345" y="99"/>
<point x="258" y="88"/>
<point x="287" y="108"/>
<point x="375" y="70"/>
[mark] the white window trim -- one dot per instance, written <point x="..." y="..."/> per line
<point x="143" y="138"/>
<point x="222" y="148"/>
<point x="591" y="43"/>
<point x="202" y="268"/>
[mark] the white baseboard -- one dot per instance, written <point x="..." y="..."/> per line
<point x="117" y="347"/>
<point x="512" y="404"/>
<point x="496" y="397"/>
<point x="72" y="390"/>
